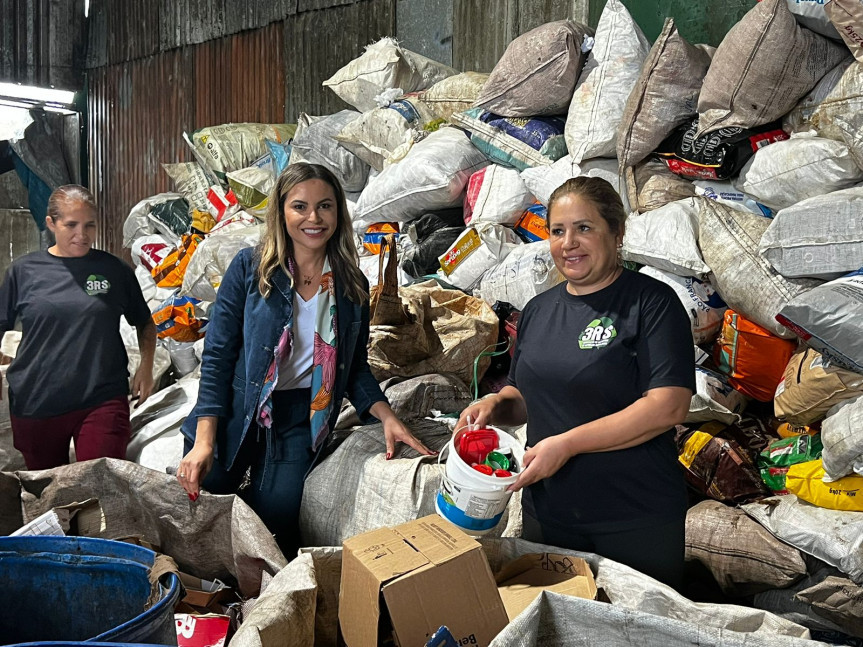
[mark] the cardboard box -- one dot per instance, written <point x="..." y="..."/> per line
<point x="522" y="580"/>
<point x="195" y="630"/>
<point x="414" y="578"/>
<point x="204" y="593"/>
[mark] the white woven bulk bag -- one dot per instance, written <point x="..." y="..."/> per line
<point x="746" y="282"/>
<point x="838" y="94"/>
<point x="829" y="318"/>
<point x="666" y="238"/>
<point x="821" y="237"/>
<point x="497" y="195"/>
<point x="802" y="167"/>
<point x="384" y="66"/>
<point x="704" y="307"/>
<point x="537" y="73"/>
<point x="317" y="144"/>
<point x="476" y="251"/>
<point x="453" y="94"/>
<point x="432" y="177"/>
<point x="842" y="435"/>
<point x="611" y="72"/>
<point x="528" y="270"/>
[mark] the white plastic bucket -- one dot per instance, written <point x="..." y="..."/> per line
<point x="471" y="500"/>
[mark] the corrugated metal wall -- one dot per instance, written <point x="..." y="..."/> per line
<point x="124" y="30"/>
<point x="42" y="42"/>
<point x="139" y="110"/>
<point x="318" y="43"/>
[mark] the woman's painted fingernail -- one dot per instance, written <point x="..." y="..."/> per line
<point x="389" y="455"/>
<point x="193" y="497"/>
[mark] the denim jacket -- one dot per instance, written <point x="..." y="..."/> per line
<point x="243" y="331"/>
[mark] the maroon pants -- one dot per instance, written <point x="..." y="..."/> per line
<point x="99" y="432"/>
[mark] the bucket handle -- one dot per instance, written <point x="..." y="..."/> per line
<point x="441" y="453"/>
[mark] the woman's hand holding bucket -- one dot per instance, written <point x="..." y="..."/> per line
<point x="541" y="461"/>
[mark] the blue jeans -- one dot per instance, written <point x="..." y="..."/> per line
<point x="278" y="460"/>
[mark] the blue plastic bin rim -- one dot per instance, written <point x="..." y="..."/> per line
<point x="83" y="644"/>
<point x="79" y="545"/>
<point x="104" y="548"/>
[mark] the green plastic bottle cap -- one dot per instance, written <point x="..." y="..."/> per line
<point x="497" y="461"/>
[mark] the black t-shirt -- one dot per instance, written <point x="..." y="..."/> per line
<point x="71" y="355"/>
<point x="580" y="358"/>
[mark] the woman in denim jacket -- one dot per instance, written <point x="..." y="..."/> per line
<point x="286" y="342"/>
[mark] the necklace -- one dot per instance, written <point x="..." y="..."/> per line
<point x="308" y="279"/>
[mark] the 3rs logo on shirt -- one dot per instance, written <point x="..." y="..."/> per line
<point x="96" y="284"/>
<point x="598" y="334"/>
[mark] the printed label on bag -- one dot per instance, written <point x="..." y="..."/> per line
<point x="692" y="447"/>
<point x="468" y="243"/>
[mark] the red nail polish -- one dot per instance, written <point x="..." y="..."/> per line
<point x="193" y="497"/>
<point x="389" y="455"/>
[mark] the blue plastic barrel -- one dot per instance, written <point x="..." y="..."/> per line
<point x="82" y="589"/>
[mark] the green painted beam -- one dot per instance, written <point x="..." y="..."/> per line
<point x="699" y="21"/>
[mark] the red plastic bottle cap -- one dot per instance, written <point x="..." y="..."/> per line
<point x="503" y="473"/>
<point x="474" y="445"/>
<point x="485" y="469"/>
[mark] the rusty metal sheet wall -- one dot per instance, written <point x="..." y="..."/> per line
<point x="481" y="31"/>
<point x="139" y="110"/>
<point x="425" y="27"/>
<point x="125" y="30"/>
<point x="42" y="42"/>
<point x="318" y="43"/>
<point x="533" y="13"/>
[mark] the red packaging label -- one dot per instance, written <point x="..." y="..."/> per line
<point x="763" y="139"/>
<point x="473" y="187"/>
<point x="201" y="631"/>
<point x="797" y="330"/>
<point x="152" y="254"/>
<point x="689" y="170"/>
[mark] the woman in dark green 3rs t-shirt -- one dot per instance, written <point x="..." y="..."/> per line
<point x="603" y="370"/>
<point x="69" y="378"/>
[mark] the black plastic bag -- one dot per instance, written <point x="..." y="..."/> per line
<point x="718" y="155"/>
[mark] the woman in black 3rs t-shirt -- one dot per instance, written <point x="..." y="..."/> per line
<point x="603" y="370"/>
<point x="69" y="379"/>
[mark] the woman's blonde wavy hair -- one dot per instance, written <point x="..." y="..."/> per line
<point x="276" y="246"/>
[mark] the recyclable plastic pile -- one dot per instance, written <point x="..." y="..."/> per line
<point x="742" y="172"/>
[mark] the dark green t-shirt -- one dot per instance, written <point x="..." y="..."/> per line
<point x="580" y="358"/>
<point x="71" y="354"/>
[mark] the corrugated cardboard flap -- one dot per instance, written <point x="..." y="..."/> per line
<point x="522" y="580"/>
<point x="435" y="539"/>
<point x="385" y="553"/>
